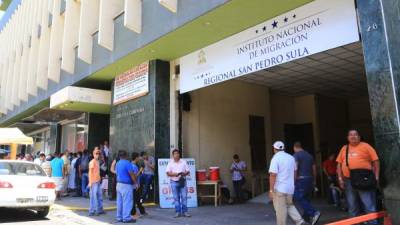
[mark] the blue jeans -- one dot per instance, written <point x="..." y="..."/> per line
<point x="304" y="188"/>
<point x="96" y="199"/>
<point x="146" y="181"/>
<point x="85" y="182"/>
<point x="355" y="197"/>
<point x="180" y="197"/>
<point x="334" y="194"/>
<point x="124" y="201"/>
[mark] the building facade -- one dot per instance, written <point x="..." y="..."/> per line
<point x="213" y="78"/>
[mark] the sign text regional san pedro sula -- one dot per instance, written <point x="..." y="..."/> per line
<point x="268" y="45"/>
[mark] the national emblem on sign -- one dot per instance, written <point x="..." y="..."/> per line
<point x="201" y="57"/>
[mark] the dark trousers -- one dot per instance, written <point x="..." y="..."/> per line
<point x="333" y="194"/>
<point x="146" y="180"/>
<point x="137" y="195"/>
<point x="114" y="187"/>
<point x="304" y="189"/>
<point x="237" y="186"/>
<point x="78" y="183"/>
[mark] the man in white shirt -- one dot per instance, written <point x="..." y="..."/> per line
<point x="177" y="170"/>
<point x="40" y="160"/>
<point x="281" y="181"/>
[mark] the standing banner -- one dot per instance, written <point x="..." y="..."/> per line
<point x="165" y="191"/>
<point x="315" y="27"/>
<point x="132" y="84"/>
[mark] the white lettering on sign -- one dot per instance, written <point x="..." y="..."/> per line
<point x="312" y="28"/>
<point x="131" y="84"/>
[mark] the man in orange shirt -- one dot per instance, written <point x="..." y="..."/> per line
<point x="96" y="198"/>
<point x="360" y="156"/>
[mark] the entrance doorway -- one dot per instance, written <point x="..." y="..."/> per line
<point x="299" y="132"/>
<point x="257" y="143"/>
<point x="313" y="100"/>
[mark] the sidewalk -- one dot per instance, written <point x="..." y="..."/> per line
<point x="240" y="214"/>
<point x="80" y="204"/>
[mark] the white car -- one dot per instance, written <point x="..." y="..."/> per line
<point x="24" y="185"/>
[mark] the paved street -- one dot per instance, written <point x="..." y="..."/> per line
<point x="245" y="214"/>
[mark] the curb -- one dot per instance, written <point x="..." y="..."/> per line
<point x="73" y="208"/>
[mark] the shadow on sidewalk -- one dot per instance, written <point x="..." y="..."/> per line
<point x="18" y="215"/>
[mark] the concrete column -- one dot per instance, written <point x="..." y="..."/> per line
<point x="142" y="124"/>
<point x="380" y="28"/>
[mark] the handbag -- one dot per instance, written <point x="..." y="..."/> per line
<point x="361" y="179"/>
<point x="182" y="181"/>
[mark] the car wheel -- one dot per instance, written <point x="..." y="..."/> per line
<point x="43" y="212"/>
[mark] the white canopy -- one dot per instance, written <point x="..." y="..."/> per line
<point x="14" y="136"/>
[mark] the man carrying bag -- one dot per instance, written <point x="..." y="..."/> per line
<point x="358" y="174"/>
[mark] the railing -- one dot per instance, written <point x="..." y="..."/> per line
<point x="365" y="218"/>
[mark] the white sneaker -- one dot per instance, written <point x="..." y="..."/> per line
<point x="186" y="214"/>
<point x="177" y="215"/>
<point x="315" y="218"/>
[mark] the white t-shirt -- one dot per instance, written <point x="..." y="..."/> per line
<point x="237" y="175"/>
<point x="177" y="167"/>
<point x="38" y="162"/>
<point x="284" y="165"/>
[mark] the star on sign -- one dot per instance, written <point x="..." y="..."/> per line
<point x="285" y="20"/>
<point x="275" y="24"/>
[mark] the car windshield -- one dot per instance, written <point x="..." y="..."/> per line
<point x="20" y="169"/>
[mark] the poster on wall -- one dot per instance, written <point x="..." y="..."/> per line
<point x="309" y="29"/>
<point x="132" y="84"/>
<point x="165" y="191"/>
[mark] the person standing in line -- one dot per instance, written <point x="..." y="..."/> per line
<point x="72" y="173"/>
<point x="46" y="166"/>
<point x="126" y="178"/>
<point x="305" y="182"/>
<point x="358" y="163"/>
<point x="58" y="173"/>
<point x="148" y="174"/>
<point x="67" y="165"/>
<point x="106" y="152"/>
<point x="114" y="177"/>
<point x="137" y="187"/>
<point x="96" y="195"/>
<point x="28" y="157"/>
<point x="40" y="160"/>
<point x="330" y="170"/>
<point x="83" y="172"/>
<point x="238" y="168"/>
<point x="78" y="180"/>
<point x="177" y="170"/>
<point x="282" y="173"/>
